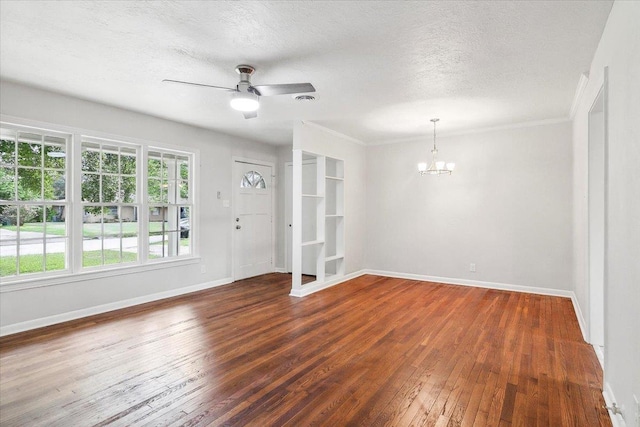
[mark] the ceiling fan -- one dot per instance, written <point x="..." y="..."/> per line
<point x="246" y="97"/>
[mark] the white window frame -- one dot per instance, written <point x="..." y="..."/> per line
<point x="138" y="203"/>
<point x="74" y="271"/>
<point x="65" y="202"/>
<point x="151" y="205"/>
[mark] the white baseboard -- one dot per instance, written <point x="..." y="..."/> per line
<point x="475" y="283"/>
<point x="580" y="316"/>
<point x="315" y="287"/>
<point x="609" y="398"/>
<point x="447" y="280"/>
<point x="90" y="311"/>
<point x="280" y="270"/>
<point x="599" y="354"/>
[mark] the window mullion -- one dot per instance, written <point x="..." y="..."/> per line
<point x="18" y="240"/>
<point x="142" y="193"/>
<point x="76" y="206"/>
<point x="44" y="208"/>
<point x="15" y="170"/>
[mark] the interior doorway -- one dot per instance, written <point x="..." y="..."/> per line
<point x="252" y="219"/>
<point x="597" y="182"/>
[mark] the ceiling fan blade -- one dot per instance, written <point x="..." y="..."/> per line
<point x="269" y="90"/>
<point x="250" y="114"/>
<point x="199" y="84"/>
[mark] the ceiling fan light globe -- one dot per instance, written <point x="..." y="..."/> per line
<point x="245" y="102"/>
<point x="422" y="167"/>
<point x="451" y="166"/>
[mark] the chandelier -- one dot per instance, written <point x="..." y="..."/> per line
<point x="437" y="167"/>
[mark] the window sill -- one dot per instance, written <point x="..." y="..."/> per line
<point x="66" y="277"/>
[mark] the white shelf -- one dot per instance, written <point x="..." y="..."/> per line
<point x="322" y="179"/>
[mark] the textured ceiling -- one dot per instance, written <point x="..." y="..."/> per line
<point x="381" y="69"/>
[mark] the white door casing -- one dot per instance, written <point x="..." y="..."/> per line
<point x="252" y="219"/>
<point x="597" y="219"/>
<point x="596" y="196"/>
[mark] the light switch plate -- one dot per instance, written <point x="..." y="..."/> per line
<point x="225" y="204"/>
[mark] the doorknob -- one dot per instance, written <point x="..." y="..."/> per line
<point x="238" y="227"/>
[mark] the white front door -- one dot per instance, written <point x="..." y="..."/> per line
<point x="252" y="221"/>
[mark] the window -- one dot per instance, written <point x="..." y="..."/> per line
<point x="252" y="179"/>
<point x="129" y="204"/>
<point x="33" y="206"/>
<point x="169" y="204"/>
<point x="110" y="208"/>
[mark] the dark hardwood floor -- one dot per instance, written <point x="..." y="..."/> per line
<point x="372" y="351"/>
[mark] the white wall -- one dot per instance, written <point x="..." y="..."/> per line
<point x="506" y="208"/>
<point x="216" y="151"/>
<point x="314" y="139"/>
<point x="619" y="49"/>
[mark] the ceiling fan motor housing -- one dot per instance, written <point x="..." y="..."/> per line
<point x="245" y="72"/>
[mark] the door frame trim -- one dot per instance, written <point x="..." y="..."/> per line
<point x="239" y="159"/>
<point x="601" y="87"/>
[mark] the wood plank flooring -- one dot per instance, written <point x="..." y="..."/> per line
<point x="373" y="351"/>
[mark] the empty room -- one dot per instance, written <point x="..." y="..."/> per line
<point x="337" y="213"/>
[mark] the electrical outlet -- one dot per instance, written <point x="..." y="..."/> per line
<point x="472" y="267"/>
<point x="203" y="268"/>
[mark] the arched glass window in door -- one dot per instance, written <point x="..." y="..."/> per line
<point x="253" y="179"/>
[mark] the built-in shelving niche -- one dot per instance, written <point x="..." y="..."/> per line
<point x="318" y="220"/>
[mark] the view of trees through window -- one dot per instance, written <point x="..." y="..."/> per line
<point x="169" y="204"/>
<point x="32" y="203"/>
<point x="35" y="203"/>
<point x="110" y="210"/>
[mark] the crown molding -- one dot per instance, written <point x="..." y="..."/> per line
<point x="441" y="134"/>
<point x="333" y="132"/>
<point x="582" y="84"/>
